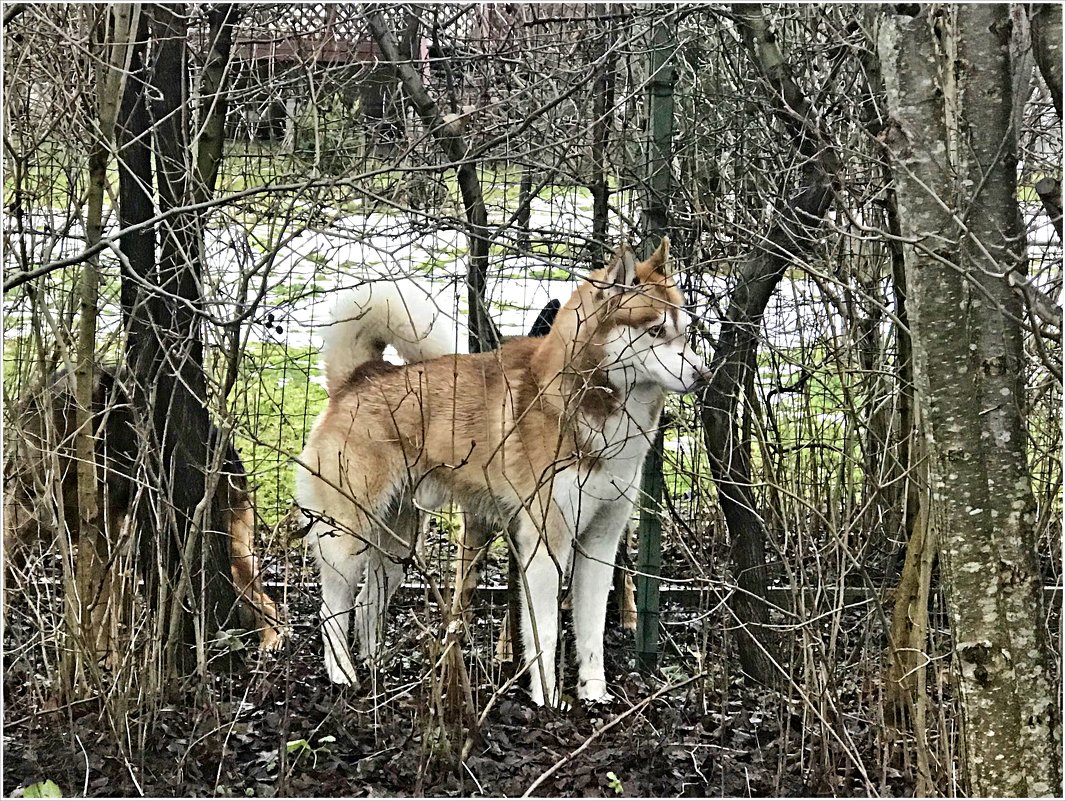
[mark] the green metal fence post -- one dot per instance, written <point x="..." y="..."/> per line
<point x="649" y="559"/>
<point x="660" y="99"/>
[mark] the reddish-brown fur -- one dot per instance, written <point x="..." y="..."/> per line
<point x="531" y="432"/>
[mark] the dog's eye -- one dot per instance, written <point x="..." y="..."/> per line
<point x="657" y="331"/>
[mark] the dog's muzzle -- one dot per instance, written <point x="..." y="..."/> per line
<point x="701" y="380"/>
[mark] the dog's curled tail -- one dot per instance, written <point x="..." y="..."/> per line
<point x="374" y="315"/>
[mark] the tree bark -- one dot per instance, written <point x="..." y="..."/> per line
<point x="195" y="553"/>
<point x="136" y="205"/>
<point x="948" y="82"/>
<point x="730" y="461"/>
<point x="790" y="104"/>
<point x="1050" y="192"/>
<point x="214" y="100"/>
<point x="790" y="237"/>
<point x="602" y="110"/>
<point x="483" y="333"/>
<point x="1045" y="26"/>
<point x="184" y="555"/>
<point x="905" y="489"/>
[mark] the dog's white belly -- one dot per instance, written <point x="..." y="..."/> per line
<point x="431" y="495"/>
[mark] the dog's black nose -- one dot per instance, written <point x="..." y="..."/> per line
<point x="703" y="378"/>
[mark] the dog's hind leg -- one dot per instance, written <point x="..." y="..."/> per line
<point x="21" y="530"/>
<point x="244" y="569"/>
<point x="626" y="594"/>
<point x="340" y="571"/>
<point x="384" y="574"/>
<point x="624" y="588"/>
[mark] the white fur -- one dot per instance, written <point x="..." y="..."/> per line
<point x="593" y="506"/>
<point x="398" y="313"/>
<point x="363" y="321"/>
<point x="636" y="356"/>
<point x="587" y="512"/>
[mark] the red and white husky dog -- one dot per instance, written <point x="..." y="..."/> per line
<point x="549" y="432"/>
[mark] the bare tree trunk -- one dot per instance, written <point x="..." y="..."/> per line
<point x="483" y="333"/>
<point x="195" y="550"/>
<point x="135" y="198"/>
<point x="214" y="100"/>
<point x="790" y="238"/>
<point x="730" y="461"/>
<point x="92" y="553"/>
<point x="1050" y="192"/>
<point x="948" y="78"/>
<point x="214" y="105"/>
<point x="908" y="637"/>
<point x="184" y="557"/>
<point x="1045" y="25"/>
<point x="906" y="490"/>
<point x="137" y="271"/>
<point x="602" y="109"/>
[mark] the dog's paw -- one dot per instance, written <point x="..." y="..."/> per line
<point x="344" y="679"/>
<point x="339" y="675"/>
<point x="604" y="700"/>
<point x="554" y="700"/>
<point x="341" y="671"/>
<point x="558" y="702"/>
<point x="272" y="639"/>
<point x="594" y="691"/>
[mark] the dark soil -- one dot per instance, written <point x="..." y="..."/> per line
<point x="279" y="728"/>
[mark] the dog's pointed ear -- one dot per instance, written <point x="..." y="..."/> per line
<point x="660" y="261"/>
<point x="622" y="271"/>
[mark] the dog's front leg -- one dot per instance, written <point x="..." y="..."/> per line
<point x="544" y="559"/>
<point x="594" y="558"/>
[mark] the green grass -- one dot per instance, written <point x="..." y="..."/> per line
<point x="16" y="351"/>
<point x="274" y="402"/>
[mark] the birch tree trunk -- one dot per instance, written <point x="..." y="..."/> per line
<point x="952" y="146"/>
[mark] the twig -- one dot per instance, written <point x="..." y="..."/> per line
<point x="595" y="735"/>
<point x="13" y="11"/>
<point x="85" y="784"/>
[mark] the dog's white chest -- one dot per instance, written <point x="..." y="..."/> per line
<point x="614" y="457"/>
<point x="623" y="439"/>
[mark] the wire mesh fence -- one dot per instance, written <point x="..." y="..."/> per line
<point x="331" y="178"/>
